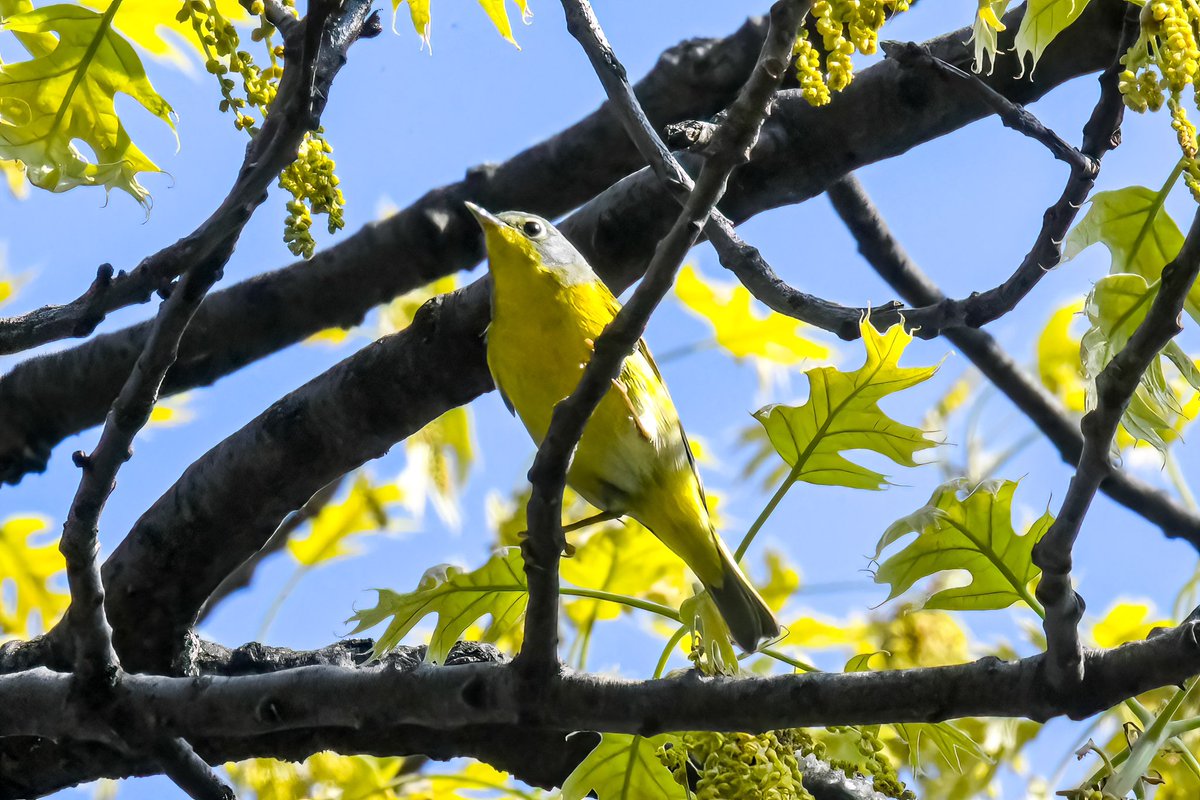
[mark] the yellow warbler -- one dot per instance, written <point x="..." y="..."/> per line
<point x="548" y="307"/>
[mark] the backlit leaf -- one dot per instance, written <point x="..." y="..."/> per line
<point x="728" y="308"/>
<point x="30" y="562"/>
<point x="1043" y="21"/>
<point x="144" y="22"/>
<point x="1115" y="308"/>
<point x="1058" y="362"/>
<point x="13" y="173"/>
<point x="439" y="458"/>
<point x="950" y="742"/>
<point x="968" y="528"/>
<point x="1139" y="234"/>
<point x="10" y="284"/>
<point x="983" y="33"/>
<point x="365" y="509"/>
<point x="171" y="411"/>
<point x="52" y="101"/>
<point x="842" y="414"/>
<point x="419" y="12"/>
<point x="459" y="598"/>
<point x="321" y="775"/>
<point x="623" y="767"/>
<point x="1126" y="621"/>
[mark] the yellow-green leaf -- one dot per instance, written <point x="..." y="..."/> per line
<point x="14" y="178"/>
<point x="842" y="413"/>
<point x="950" y="741"/>
<point x="1139" y="234"/>
<point x="31" y="562"/>
<point x="439" y="459"/>
<point x="1058" y="362"/>
<point x="143" y="22"/>
<point x="172" y="411"/>
<point x="10" y="284"/>
<point x="964" y="527"/>
<point x="322" y="775"/>
<point x="418" y="11"/>
<point x="458" y="598"/>
<point x="365" y="509"/>
<point x="983" y="32"/>
<point x="728" y="308"/>
<point x="623" y="558"/>
<point x="53" y="100"/>
<point x="624" y="767"/>
<point x="1126" y="621"/>
<point x="1116" y="307"/>
<point x="1043" y="21"/>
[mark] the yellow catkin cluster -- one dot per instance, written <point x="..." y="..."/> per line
<point x="1160" y="65"/>
<point x="737" y="765"/>
<point x="310" y="179"/>
<point x="845" y="27"/>
<point x="314" y="188"/>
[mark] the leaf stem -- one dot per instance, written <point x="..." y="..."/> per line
<point x="788" y="482"/>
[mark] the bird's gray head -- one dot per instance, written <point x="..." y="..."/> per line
<point x="523" y="232"/>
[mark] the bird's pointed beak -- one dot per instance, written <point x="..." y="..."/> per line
<point x="485" y="218"/>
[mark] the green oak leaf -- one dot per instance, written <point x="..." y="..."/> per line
<point x="624" y="767"/>
<point x="965" y="527"/>
<point x="459" y="598"/>
<point x="842" y="413"/>
<point x="1115" y="308"/>
<point x="60" y="103"/>
<point x="1139" y="234"/>
<point x="1043" y="21"/>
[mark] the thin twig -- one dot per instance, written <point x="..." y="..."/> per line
<point x="1114" y="388"/>
<point x="730" y="149"/>
<point x="1013" y="115"/>
<point x="888" y="258"/>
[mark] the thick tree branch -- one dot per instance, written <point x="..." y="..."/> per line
<point x="887" y="257"/>
<point x="454" y="698"/>
<point x="1115" y="386"/>
<point x="800" y="153"/>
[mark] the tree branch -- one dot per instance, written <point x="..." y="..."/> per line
<point x="800" y="153"/>
<point x="887" y="257"/>
<point x="1115" y="386"/>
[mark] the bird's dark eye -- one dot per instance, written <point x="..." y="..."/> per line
<point x="533" y="229"/>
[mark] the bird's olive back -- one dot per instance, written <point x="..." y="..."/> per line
<point x="557" y="253"/>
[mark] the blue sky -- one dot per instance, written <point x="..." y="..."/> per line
<point x="403" y="121"/>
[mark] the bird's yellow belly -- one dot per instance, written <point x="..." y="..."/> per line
<point x="540" y="362"/>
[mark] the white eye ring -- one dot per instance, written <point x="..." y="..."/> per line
<point x="533" y="229"/>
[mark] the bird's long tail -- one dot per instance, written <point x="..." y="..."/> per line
<point x="749" y="619"/>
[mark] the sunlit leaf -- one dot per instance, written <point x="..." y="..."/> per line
<point x="331" y="535"/>
<point x="172" y="411"/>
<point x="322" y="775"/>
<point x="1058" y="362"/>
<point x="783" y="579"/>
<point x="842" y="414"/>
<point x="496" y="11"/>
<point x="144" y="22"/>
<point x="739" y="329"/>
<point x="1126" y="621"/>
<point x="623" y="767"/>
<point x="30" y="562"/>
<point x="392" y="317"/>
<point x="1139" y="234"/>
<point x="949" y="741"/>
<point x="1115" y="308"/>
<point x="67" y="95"/>
<point x="1043" y="21"/>
<point x="459" y="598"/>
<point x="968" y="528"/>
<point x="439" y="458"/>
<point x="13" y="173"/>
<point x="10" y="284"/>
<point x="983" y="32"/>
<point x="623" y="558"/>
